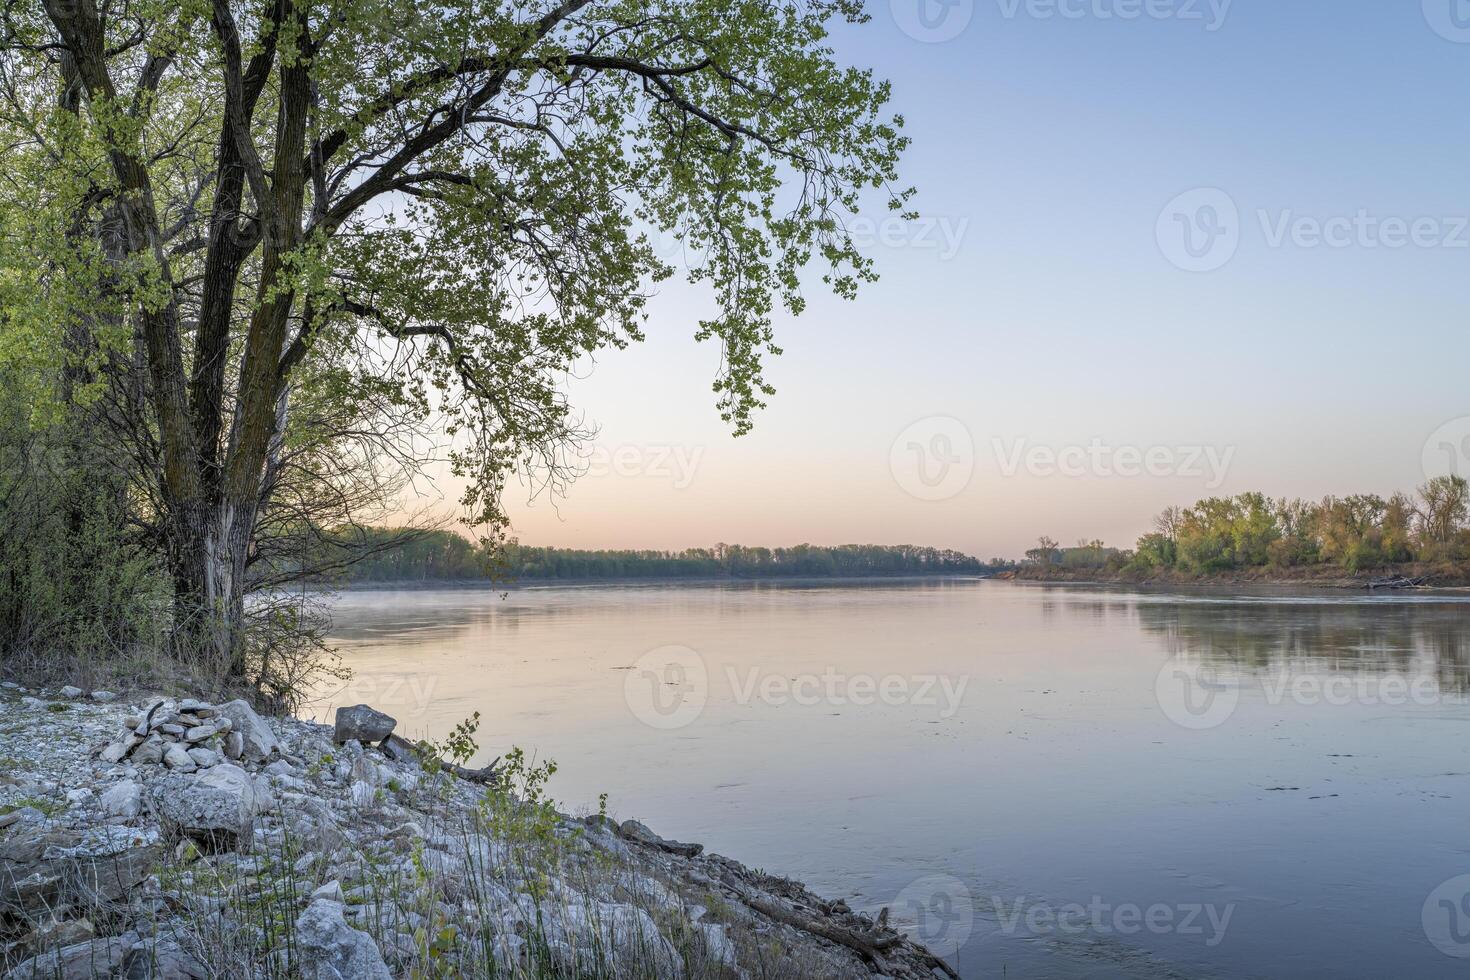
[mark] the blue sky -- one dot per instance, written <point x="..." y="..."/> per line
<point x="1036" y="305"/>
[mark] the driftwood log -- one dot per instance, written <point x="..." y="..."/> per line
<point x="1397" y="582"/>
<point x="787" y="902"/>
<point x="871" y="944"/>
<point x="397" y="747"/>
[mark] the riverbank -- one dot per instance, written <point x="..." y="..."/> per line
<point x="1437" y="575"/>
<point x="172" y="838"/>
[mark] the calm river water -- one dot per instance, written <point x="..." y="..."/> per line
<point x="1043" y="781"/>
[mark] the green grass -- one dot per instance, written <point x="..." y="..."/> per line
<point x="49" y="807"/>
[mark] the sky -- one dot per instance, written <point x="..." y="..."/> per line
<point x="1167" y="249"/>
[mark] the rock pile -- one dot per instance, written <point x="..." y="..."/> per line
<point x="126" y="852"/>
<point x="186" y="735"/>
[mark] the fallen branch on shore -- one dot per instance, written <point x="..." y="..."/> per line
<point x="1397" y="582"/>
<point x="871" y="943"/>
<point x="398" y="748"/>
<point x="787" y="902"/>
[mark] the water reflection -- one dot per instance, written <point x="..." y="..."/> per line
<point x="1422" y="639"/>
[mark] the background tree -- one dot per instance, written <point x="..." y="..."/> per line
<point x="1044" y="553"/>
<point x="1351" y="529"/>
<point x="1297" y="543"/>
<point x="1357" y="532"/>
<point x="1155" y="550"/>
<point x="1446" y="506"/>
<point x="1167" y="523"/>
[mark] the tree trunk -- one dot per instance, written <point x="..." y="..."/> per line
<point x="201" y="585"/>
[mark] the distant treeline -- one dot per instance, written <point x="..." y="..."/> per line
<point x="444" y="556"/>
<point x="1251" y="530"/>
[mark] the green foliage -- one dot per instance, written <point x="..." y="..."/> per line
<point x="517" y="807"/>
<point x="47" y="806"/>
<point x="1358" y="532"/>
<point x="1087" y="554"/>
<point x="445" y="556"/>
<point x="1445" y="511"/>
<point x="460" y="746"/>
<point x="403" y="555"/>
<point x="344" y="232"/>
<point x="1155" y="550"/>
<point x="522" y="237"/>
<point x="1046" y="552"/>
<point x="75" y="587"/>
<point x="1220" y="533"/>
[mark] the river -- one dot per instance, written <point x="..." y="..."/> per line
<point x="1042" y="781"/>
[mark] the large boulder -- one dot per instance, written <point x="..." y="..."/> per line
<point x="216" y="808"/>
<point x="635" y="831"/>
<point x="204" y="758"/>
<point x="123" y="800"/>
<point x="79" y="961"/>
<point x="43" y="867"/>
<point x="150" y="752"/>
<point x="162" y="959"/>
<point x="327" y="948"/>
<point x="257" y="742"/>
<point x="177" y="757"/>
<point x="234" y="746"/>
<point x="30" y="885"/>
<point x="363" y="723"/>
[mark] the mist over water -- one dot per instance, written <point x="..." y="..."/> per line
<point x="1054" y="781"/>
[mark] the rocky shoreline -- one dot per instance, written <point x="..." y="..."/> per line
<point x="176" y="838"/>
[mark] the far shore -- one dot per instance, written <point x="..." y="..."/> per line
<point x="490" y="585"/>
<point x="1431" y="577"/>
<point x="1438" y="577"/>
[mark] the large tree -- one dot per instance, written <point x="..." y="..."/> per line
<point x="433" y="209"/>
<point x="1446" y="506"/>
